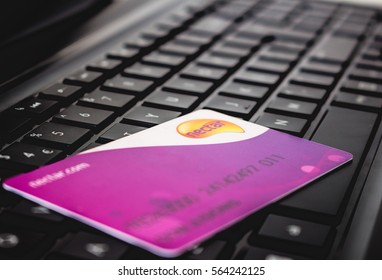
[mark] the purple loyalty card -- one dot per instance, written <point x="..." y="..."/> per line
<point x="170" y="187"/>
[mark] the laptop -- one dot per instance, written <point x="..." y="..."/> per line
<point x="85" y="73"/>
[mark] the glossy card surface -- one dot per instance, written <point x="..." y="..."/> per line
<point x="170" y="187"/>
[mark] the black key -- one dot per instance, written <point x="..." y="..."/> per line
<point x="11" y="128"/>
<point x="123" y="53"/>
<point x="255" y="77"/>
<point x="33" y="107"/>
<point x="187" y="86"/>
<point x="211" y="25"/>
<point x="255" y="253"/>
<point x="32" y="210"/>
<point x="358" y="101"/>
<point x="22" y="155"/>
<point x="375" y="65"/>
<point x="60" y="91"/>
<point x="104" y="65"/>
<point x="231" y="105"/>
<point x="149" y="116"/>
<point x="161" y="59"/>
<point x="169" y="99"/>
<point x="204" y="73"/>
<point x="106" y="100"/>
<point x="127" y="85"/>
<point x="96" y="247"/>
<point x="209" y="251"/>
<point x="179" y="49"/>
<point x="344" y="129"/>
<point x="284" y="123"/>
<point x="58" y="135"/>
<point x="351" y="30"/>
<point x="84" y="117"/>
<point x="363" y="88"/>
<point x="312" y="80"/>
<point x="217" y="61"/>
<point x="366" y="75"/>
<point x="321" y="68"/>
<point x="147" y="71"/>
<point x="83" y="77"/>
<point x="295" y="230"/>
<point x="294" y="91"/>
<point x="244" y="90"/>
<point x="292" y="106"/>
<point x="334" y="50"/>
<point x="16" y="243"/>
<point x="119" y="130"/>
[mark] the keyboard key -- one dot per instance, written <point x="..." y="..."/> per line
<point x="177" y="48"/>
<point x="84" y="117"/>
<point x="295" y="230"/>
<point x="60" y="91"/>
<point x="33" y="107"/>
<point x="217" y="61"/>
<point x="227" y="51"/>
<point x="106" y="100"/>
<point x="292" y="106"/>
<point x="358" y="101"/>
<point x="334" y="50"/>
<point x="149" y="116"/>
<point x="95" y="247"/>
<point x="363" y="88"/>
<point x="210" y="251"/>
<point x="211" y="25"/>
<point x="104" y="65"/>
<point x="294" y="91"/>
<point x="312" y="80"/>
<point x="57" y="135"/>
<point x="27" y="156"/>
<point x="187" y="86"/>
<point x="161" y="59"/>
<point x="231" y="105"/>
<point x="83" y="77"/>
<point x="192" y="40"/>
<point x="239" y="42"/>
<point x="169" y="99"/>
<point x="138" y="43"/>
<point x="16" y="243"/>
<point x="123" y="53"/>
<point x="283" y="123"/>
<point x="147" y="71"/>
<point x="119" y="130"/>
<point x="366" y="75"/>
<point x="203" y="73"/>
<point x="268" y="66"/>
<point x="344" y="129"/>
<point x="255" y="253"/>
<point x="255" y="77"/>
<point x="127" y="85"/>
<point x="32" y="210"/>
<point x="244" y="90"/>
<point x="321" y="68"/>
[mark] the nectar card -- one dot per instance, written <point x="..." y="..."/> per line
<point x="172" y="186"/>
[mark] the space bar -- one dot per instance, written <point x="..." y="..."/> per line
<point x="344" y="129"/>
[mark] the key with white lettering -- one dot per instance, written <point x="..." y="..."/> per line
<point x="283" y="123"/>
<point x="26" y="156"/>
<point x="147" y="116"/>
<point x="231" y="105"/>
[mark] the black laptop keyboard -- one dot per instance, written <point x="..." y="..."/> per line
<point x="311" y="69"/>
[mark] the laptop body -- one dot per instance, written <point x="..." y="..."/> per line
<point x="251" y="63"/>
